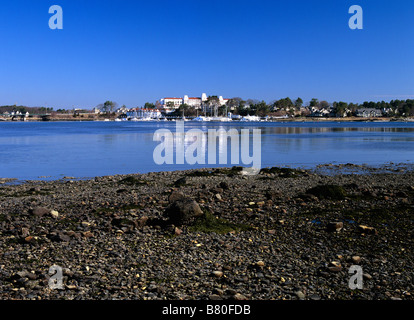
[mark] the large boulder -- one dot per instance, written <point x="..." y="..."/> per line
<point x="183" y="211"/>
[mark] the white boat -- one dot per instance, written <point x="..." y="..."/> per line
<point x="117" y="119"/>
<point x="250" y="118"/>
<point x="201" y="118"/>
<point x="221" y="119"/>
<point x="143" y="119"/>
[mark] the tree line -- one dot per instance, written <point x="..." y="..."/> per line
<point x="239" y="106"/>
<point x="297" y="108"/>
<point x="24" y="109"/>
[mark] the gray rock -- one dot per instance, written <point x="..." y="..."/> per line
<point x="180" y="182"/>
<point x="183" y="211"/>
<point x="40" y="211"/>
<point x="300" y="295"/>
<point x="175" y="196"/>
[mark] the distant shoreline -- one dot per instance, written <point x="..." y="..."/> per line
<point x="315" y="119"/>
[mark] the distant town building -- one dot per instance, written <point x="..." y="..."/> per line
<point x="319" y="112"/>
<point x="195" y="102"/>
<point x="122" y="110"/>
<point x="368" y="113"/>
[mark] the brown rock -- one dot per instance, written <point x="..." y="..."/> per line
<point x="87" y="234"/>
<point x="183" y="211"/>
<point x="142" y="221"/>
<point x="367" y="230"/>
<point x="239" y="296"/>
<point x="177" y="231"/>
<point x="175" y="195"/>
<point x="40" y="211"/>
<point x="356" y="259"/>
<point x="25" y="232"/>
<point x="335" y="266"/>
<point x="218" y="274"/>
<point x="260" y="263"/>
<point x="334" y="226"/>
<point x="30" y="239"/>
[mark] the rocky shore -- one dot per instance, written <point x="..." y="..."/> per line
<point x="209" y="234"/>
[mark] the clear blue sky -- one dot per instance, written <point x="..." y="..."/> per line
<point x="137" y="51"/>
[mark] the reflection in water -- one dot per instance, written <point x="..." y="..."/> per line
<point x="30" y="150"/>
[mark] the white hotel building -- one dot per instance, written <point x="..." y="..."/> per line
<point x="191" y="101"/>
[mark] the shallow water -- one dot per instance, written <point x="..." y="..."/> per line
<point x="52" y="150"/>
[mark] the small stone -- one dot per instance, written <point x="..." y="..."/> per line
<point x="218" y="274"/>
<point x="54" y="214"/>
<point x="218" y="291"/>
<point x="215" y="297"/>
<point x="367" y="276"/>
<point x="59" y="236"/>
<point x="334" y="226"/>
<point x="180" y="182"/>
<point x="315" y="297"/>
<point x="27" y="274"/>
<point x="177" y="231"/>
<point x="30" y="239"/>
<point x="356" y="259"/>
<point x="260" y="263"/>
<point x="40" y="211"/>
<point x="335" y="266"/>
<point x="300" y="295"/>
<point x="239" y="296"/>
<point x="231" y="292"/>
<point x="218" y="197"/>
<point x="25" y="232"/>
<point x="142" y="221"/>
<point x="87" y="234"/>
<point x="367" y="230"/>
<point x="224" y="185"/>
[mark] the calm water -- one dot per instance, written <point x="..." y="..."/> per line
<point x="30" y="150"/>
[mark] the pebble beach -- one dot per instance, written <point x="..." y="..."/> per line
<point x="209" y="234"/>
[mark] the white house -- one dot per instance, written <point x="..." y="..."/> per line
<point x="194" y="102"/>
